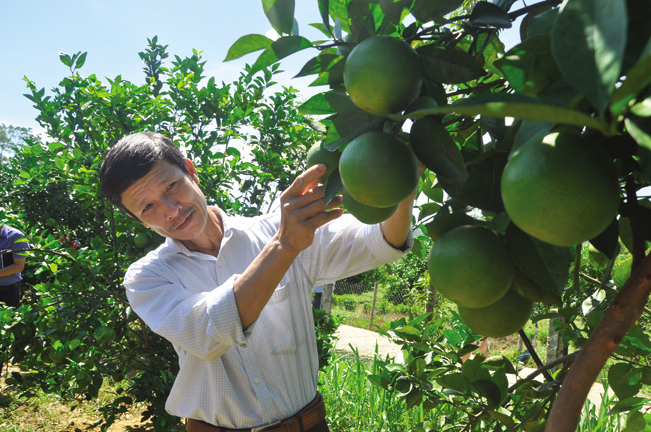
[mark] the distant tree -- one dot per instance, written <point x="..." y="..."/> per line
<point x="10" y="137"/>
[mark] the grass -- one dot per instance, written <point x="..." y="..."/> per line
<point x="354" y="404"/>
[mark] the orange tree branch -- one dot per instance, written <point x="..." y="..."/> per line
<point x="619" y="318"/>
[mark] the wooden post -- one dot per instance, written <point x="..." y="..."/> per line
<point x="431" y="299"/>
<point x="554" y="341"/>
<point x="370" y="324"/>
<point x="326" y="297"/>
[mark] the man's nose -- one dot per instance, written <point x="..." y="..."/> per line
<point x="172" y="208"/>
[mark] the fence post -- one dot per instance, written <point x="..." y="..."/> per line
<point x="431" y="299"/>
<point x="370" y="324"/>
<point x="554" y="341"/>
<point x="326" y="297"/>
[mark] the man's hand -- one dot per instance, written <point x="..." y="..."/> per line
<point x="303" y="210"/>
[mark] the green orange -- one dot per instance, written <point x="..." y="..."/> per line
<point x="383" y="75"/>
<point x="364" y="213"/>
<point x="503" y="318"/>
<point x="562" y="190"/>
<point x="470" y="266"/>
<point x="318" y="154"/>
<point x="378" y="169"/>
<point x="443" y="223"/>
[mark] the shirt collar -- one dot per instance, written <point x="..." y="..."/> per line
<point x="229" y="223"/>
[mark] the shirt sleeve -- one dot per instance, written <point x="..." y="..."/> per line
<point x="206" y="324"/>
<point x="19" y="242"/>
<point x="346" y="247"/>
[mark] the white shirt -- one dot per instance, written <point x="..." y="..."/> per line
<point x="244" y="379"/>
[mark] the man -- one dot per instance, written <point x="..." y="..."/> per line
<point x="11" y="264"/>
<point x="232" y="294"/>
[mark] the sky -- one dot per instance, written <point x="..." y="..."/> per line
<point x="113" y="32"/>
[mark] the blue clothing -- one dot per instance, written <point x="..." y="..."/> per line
<point x="9" y="237"/>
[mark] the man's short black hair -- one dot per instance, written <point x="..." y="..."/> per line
<point x="131" y="158"/>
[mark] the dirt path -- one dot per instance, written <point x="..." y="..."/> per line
<point x="365" y="341"/>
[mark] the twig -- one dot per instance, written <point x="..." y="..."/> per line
<point x="534" y="355"/>
<point x="472" y="89"/>
<point x="538" y="371"/>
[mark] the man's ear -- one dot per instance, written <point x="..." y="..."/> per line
<point x="192" y="170"/>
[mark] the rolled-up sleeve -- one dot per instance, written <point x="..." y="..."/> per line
<point x="205" y="324"/>
<point x="346" y="247"/>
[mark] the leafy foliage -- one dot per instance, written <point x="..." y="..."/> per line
<point x="75" y="328"/>
<point x="582" y="67"/>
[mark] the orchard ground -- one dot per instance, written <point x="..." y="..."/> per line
<point x="350" y="339"/>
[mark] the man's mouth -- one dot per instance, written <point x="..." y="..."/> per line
<point x="188" y="218"/>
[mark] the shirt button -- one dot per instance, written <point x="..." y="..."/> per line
<point x="220" y="263"/>
<point x="257" y="380"/>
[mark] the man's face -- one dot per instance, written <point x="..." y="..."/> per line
<point x="169" y="201"/>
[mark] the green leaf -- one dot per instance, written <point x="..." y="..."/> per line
<point x="482" y="189"/>
<point x="317" y="65"/>
<point x="80" y="61"/>
<point x="637" y="78"/>
<point x="435" y="148"/>
<point x="325" y="17"/>
<point x="588" y="42"/>
<point x="486" y="14"/>
<point x="449" y="65"/>
<point x="627" y="405"/>
<point x="347" y="126"/>
<point x="545" y="264"/>
<point x="607" y="242"/>
<point x="427" y="10"/>
<point x="529" y="66"/>
<point x="339" y="12"/>
<point x="316" y="105"/>
<point x="333" y="186"/>
<point x="504" y="419"/>
<point x="620" y="383"/>
<point x="60" y="163"/>
<point x="489" y="390"/>
<point x="74" y="344"/>
<point x="542" y="23"/>
<point x="402" y="386"/>
<point x="280" y="49"/>
<point x="622" y="272"/>
<point x="394" y="10"/>
<point x="472" y="370"/>
<point x="530" y="131"/>
<point x="635" y="422"/>
<point x="421" y="107"/>
<point x="280" y="14"/>
<point x="455" y="382"/>
<point x="247" y="44"/>
<point x="65" y="58"/>
<point x="524" y="107"/>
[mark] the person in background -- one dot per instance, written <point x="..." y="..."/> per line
<point x="233" y="294"/>
<point x="11" y="264"/>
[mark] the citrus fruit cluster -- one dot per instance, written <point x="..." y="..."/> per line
<point x="470" y="266"/>
<point x="378" y="171"/>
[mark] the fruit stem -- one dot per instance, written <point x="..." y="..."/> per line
<point x="619" y="318"/>
<point x="534" y="355"/>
